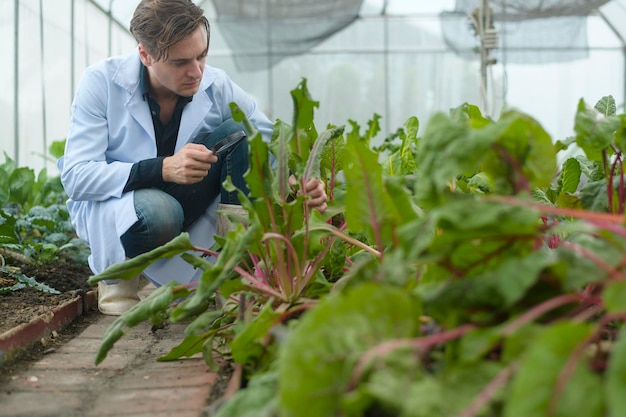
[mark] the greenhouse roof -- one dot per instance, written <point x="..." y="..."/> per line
<point x="394" y="58"/>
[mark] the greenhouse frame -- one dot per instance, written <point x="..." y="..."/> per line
<point x="393" y="58"/>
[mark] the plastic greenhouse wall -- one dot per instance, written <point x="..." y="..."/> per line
<point x="396" y="65"/>
<point x="44" y="56"/>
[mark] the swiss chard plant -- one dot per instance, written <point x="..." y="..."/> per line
<point x="460" y="272"/>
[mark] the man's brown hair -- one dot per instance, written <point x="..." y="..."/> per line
<point x="159" y="24"/>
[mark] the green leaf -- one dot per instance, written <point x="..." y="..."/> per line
<point x="240" y="116"/>
<point x="493" y="291"/>
<point x="369" y="208"/>
<point x="606" y="106"/>
<point x="258" y="399"/>
<point x="199" y="326"/>
<point x="248" y="345"/>
<point x="134" y="266"/>
<point x="283" y="134"/>
<point x="522" y="157"/>
<point x="594" y="131"/>
<point x="304" y="107"/>
<point x="570" y="176"/>
<point x="534" y="389"/>
<point x="57" y="148"/>
<point x="313" y="164"/>
<point x="259" y="177"/>
<point x="477" y="343"/>
<point x="614" y="296"/>
<point x="21" y="184"/>
<point x="24" y="281"/>
<point x="462" y="384"/>
<point x="8" y="233"/>
<point x="593" y="196"/>
<point x="189" y="346"/>
<point x="318" y="358"/>
<point x="215" y="274"/>
<point x="471" y="112"/>
<point x="616" y="378"/>
<point x="447" y="149"/>
<point x="153" y="308"/>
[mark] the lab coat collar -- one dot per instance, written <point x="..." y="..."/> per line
<point x="127" y="77"/>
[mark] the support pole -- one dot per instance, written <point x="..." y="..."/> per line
<point x="16" y="76"/>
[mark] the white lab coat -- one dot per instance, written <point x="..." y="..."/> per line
<point x="110" y="129"/>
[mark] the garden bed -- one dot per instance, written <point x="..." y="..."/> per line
<point x="29" y="314"/>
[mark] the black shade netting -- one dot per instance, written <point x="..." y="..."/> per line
<point x="262" y="32"/>
<point x="529" y="31"/>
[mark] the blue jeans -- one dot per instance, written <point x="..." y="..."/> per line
<point x="165" y="211"/>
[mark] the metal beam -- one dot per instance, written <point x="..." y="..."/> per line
<point x="16" y="75"/>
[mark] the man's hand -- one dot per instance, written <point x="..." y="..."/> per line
<point x="189" y="165"/>
<point x="314" y="192"/>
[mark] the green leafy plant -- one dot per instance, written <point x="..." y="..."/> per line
<point x="456" y="273"/>
<point x="23" y="281"/>
<point x="35" y="227"/>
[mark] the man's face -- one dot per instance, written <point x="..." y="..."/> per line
<point x="180" y="73"/>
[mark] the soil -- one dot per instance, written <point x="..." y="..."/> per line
<point x="21" y="306"/>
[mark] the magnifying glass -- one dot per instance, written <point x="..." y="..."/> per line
<point x="228" y="142"/>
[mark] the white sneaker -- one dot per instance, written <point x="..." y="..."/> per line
<point x="116" y="299"/>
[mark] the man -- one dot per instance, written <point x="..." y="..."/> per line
<point x="137" y="166"/>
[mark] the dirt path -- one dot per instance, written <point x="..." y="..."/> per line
<point x="59" y="378"/>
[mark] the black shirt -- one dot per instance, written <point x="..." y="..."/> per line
<point x="149" y="172"/>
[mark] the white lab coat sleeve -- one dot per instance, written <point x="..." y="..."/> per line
<point x="85" y="171"/>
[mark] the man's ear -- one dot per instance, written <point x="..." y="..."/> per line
<point x="144" y="55"/>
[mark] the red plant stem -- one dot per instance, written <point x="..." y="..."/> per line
<point x="259" y="271"/>
<point x="539" y="310"/>
<point x="560" y="211"/>
<point x="351" y="240"/>
<point x="577" y="249"/>
<point x="285" y="276"/>
<point x="521" y="182"/>
<point x="564" y="375"/>
<point x="609" y="182"/>
<point x="307" y="215"/>
<point x="333" y="179"/>
<point x="288" y="244"/>
<point x="489" y="391"/>
<point x="260" y="285"/>
<point x="419" y="343"/>
<point x="283" y="317"/>
<point x="206" y="251"/>
<point x="312" y="268"/>
<point x="617" y="163"/>
<point x="265" y="289"/>
<point x="185" y="286"/>
<point x="281" y="266"/>
<point x="372" y="210"/>
<point x="235" y="382"/>
<point x="570" y="365"/>
<point x="621" y="185"/>
<point x="587" y="314"/>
